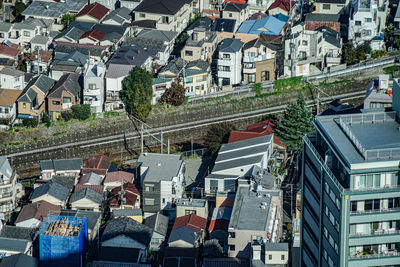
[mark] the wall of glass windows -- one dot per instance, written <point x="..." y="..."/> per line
<point x="374" y="250"/>
<point x="375" y="228"/>
<point x="377" y="180"/>
<point x="375" y="205"/>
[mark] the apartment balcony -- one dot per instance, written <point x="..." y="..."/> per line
<point x="92" y="92"/>
<point x="380" y="236"/>
<point x="387" y="257"/>
<point x="257" y="58"/>
<point x="249" y="71"/>
<point x="368" y="216"/>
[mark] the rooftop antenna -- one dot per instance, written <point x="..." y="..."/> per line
<point x="39" y="59"/>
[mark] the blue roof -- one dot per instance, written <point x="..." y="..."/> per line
<point x="282" y="17"/>
<point x="161" y="80"/>
<point x="269" y="26"/>
<point x="379" y="37"/>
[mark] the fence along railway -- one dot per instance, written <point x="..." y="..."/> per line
<point x="125" y="145"/>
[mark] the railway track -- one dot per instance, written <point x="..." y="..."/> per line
<point x="115" y="139"/>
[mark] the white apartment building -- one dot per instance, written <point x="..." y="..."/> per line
<point x="230" y="62"/>
<point x="93" y="82"/>
<point x="10" y="191"/>
<point x="367" y="20"/>
<point x="12" y="79"/>
<point x="311" y="51"/>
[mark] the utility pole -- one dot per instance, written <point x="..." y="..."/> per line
<point x="191" y="146"/>
<point x="141" y="139"/>
<point x="162" y="143"/>
<point x="291" y="200"/>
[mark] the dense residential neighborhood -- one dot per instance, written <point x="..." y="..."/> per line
<point x="188" y="133"/>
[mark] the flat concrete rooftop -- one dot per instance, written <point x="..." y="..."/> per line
<point x="364" y="137"/>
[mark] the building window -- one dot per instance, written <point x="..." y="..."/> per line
<point x="367" y="32"/>
<point x="368" y="19"/>
<point x="230" y="15"/>
<point x="225" y="68"/>
<point x="232" y="234"/>
<point x="282" y="257"/>
<point x="213" y="186"/>
<point x="189" y="53"/>
<point x="163" y="200"/>
<point x="149" y="188"/>
<point x="66" y="100"/>
<point x="142" y="15"/>
<point x="6" y="110"/>
<point x="326" y="6"/>
<point x="165" y="19"/>
<point x="195" y="36"/>
<point x="358" y="22"/>
<point x="270" y="256"/>
<point x="304" y="42"/>
<point x="149" y="201"/>
<point x="357" y="34"/>
<point x="251" y="78"/>
<point x="24" y="105"/>
<point x="189" y="80"/>
<point x="226" y="56"/>
<point x="1" y="35"/>
<point x="232" y="247"/>
<point x="27" y="34"/>
<point x="265" y="76"/>
<point x="54" y="102"/>
<point x="251" y="54"/>
<point x="92" y="86"/>
<point x="187" y="212"/>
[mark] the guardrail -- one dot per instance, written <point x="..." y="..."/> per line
<point x="269" y="86"/>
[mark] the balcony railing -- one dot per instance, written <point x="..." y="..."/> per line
<point x="372" y="188"/>
<point x="386" y="253"/>
<point x="377" y="233"/>
<point x="66" y="105"/>
<point x="374" y="211"/>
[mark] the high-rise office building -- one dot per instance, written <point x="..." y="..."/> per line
<point x="351" y="190"/>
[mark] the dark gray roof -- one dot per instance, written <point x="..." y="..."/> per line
<point x="112" y="32"/>
<point x="322" y="17"/>
<point x="91" y="216"/>
<point x="212" y="248"/>
<point x="125" y="59"/>
<point x="75" y="59"/>
<point x="276" y="246"/>
<point x="42" y="82"/>
<point x="157" y="222"/>
<point x="234" y="7"/>
<point x="119" y="15"/>
<point x="86" y="193"/>
<point x="54" y="189"/>
<point x="167" y="7"/>
<point x="183" y="233"/>
<point x="242" y="152"/>
<point x="71" y="33"/>
<point x="68" y="49"/>
<point x="127" y="212"/>
<point x="225" y="262"/>
<point x="40" y="39"/>
<point x="152" y="46"/>
<point x="12" y="244"/>
<point x="68" y="82"/>
<point x="25" y="233"/>
<point x="61" y="164"/>
<point x="215" y="176"/>
<point x="203" y="23"/>
<point x="199" y="65"/>
<point x="230" y="45"/>
<point x="65" y="180"/>
<point x="53" y="9"/>
<point x="224" y="25"/>
<point x="175" y="66"/>
<point x="23" y="26"/>
<point x="5" y="27"/>
<point x="12" y="72"/>
<point x="43" y="23"/>
<point x="129" y="228"/>
<point x="19" y="260"/>
<point x="152" y="34"/>
<point x="330" y="36"/>
<point x="146" y="23"/>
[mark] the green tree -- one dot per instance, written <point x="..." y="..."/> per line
<point x="67" y="19"/>
<point x="46" y="119"/>
<point x="19" y="8"/>
<point x="294" y="123"/>
<point x="81" y="112"/>
<point x="137" y="92"/>
<point x="218" y="134"/>
<point x="30" y="122"/>
<point x="175" y="95"/>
